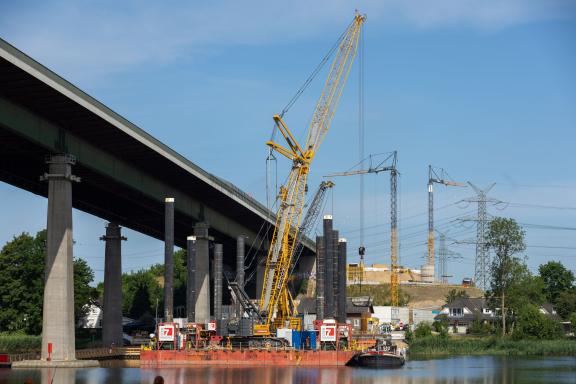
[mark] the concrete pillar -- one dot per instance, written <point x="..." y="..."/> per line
<point x="112" y="311"/>
<point x="168" y="259"/>
<point x="202" y="311"/>
<point x="191" y="278"/>
<point x="320" y="272"/>
<point x="329" y="270"/>
<point x="218" y="281"/>
<point x="58" y="312"/>
<point x="240" y="248"/>
<point x="342" y="277"/>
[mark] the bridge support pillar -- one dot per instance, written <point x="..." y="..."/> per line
<point x="58" y="311"/>
<point x="169" y="259"/>
<point x="112" y="311"/>
<point x="202" y="312"/>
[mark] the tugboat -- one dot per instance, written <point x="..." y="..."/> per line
<point x="384" y="355"/>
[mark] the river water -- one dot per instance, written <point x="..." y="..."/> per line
<point x="477" y="369"/>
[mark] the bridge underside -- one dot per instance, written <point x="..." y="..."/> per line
<point x="126" y="173"/>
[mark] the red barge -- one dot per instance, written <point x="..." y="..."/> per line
<point x="248" y="357"/>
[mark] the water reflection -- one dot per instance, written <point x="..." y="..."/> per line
<point x="485" y="370"/>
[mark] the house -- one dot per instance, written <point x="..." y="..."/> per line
<point x="356" y="309"/>
<point x="463" y="311"/>
<point x="93" y="316"/>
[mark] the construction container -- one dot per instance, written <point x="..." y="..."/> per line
<point x="304" y="340"/>
<point x="285" y="333"/>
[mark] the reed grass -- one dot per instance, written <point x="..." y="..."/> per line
<point x="439" y="346"/>
<point x="20" y="343"/>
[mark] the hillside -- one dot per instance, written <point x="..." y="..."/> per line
<point x="414" y="296"/>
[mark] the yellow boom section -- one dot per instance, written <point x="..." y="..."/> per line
<point x="293" y="193"/>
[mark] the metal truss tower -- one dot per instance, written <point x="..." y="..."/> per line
<point x="482" y="262"/>
<point x="443" y="255"/>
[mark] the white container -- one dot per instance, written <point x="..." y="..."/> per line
<point x="285" y="333"/>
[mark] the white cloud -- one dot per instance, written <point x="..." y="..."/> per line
<point x="88" y="39"/>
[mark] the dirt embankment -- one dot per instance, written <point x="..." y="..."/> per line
<point x="427" y="296"/>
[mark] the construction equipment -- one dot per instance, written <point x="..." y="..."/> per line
<point x="389" y="164"/>
<point x="275" y="296"/>
<point x="309" y="221"/>
<point x="438" y="176"/>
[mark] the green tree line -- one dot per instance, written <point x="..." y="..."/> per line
<point x="22" y="262"/>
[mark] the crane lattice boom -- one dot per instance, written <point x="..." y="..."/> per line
<point x="293" y="193"/>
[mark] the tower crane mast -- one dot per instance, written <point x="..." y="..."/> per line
<point x="435" y="176"/>
<point x="292" y="194"/>
<point x="389" y="164"/>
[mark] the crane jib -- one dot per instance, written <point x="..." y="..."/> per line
<point x="275" y="300"/>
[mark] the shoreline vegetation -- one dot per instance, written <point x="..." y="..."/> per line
<point x="430" y="346"/>
<point x="438" y="346"/>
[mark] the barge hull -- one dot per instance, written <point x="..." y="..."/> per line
<point x="245" y="358"/>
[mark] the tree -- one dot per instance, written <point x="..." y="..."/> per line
<point x="83" y="292"/>
<point x="505" y="238"/>
<point x="22" y="263"/>
<point x="423" y="329"/>
<point x="532" y="324"/>
<point x="566" y="303"/>
<point x="456" y="294"/>
<point x="141" y="291"/>
<point x="557" y="279"/>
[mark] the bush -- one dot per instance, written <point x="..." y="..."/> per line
<point x="408" y="334"/>
<point x="479" y="327"/>
<point x="20" y="343"/>
<point x="532" y="324"/>
<point x="423" y="329"/>
<point x="441" y="324"/>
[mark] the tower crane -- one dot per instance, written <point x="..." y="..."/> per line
<point x="292" y="193"/>
<point x="438" y="176"/>
<point x="389" y="164"/>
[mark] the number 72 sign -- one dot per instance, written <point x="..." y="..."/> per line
<point x="328" y="333"/>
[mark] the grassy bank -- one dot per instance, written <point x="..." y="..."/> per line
<point x="20" y="343"/>
<point x="437" y="346"/>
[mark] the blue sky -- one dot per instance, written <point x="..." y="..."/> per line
<point x="486" y="90"/>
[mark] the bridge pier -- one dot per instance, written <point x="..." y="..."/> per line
<point x="169" y="259"/>
<point x="112" y="311"/>
<point x="202" y="279"/>
<point x="58" y="310"/>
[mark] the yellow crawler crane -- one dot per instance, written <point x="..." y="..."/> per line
<point x="275" y="302"/>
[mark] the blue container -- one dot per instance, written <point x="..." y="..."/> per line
<point x="297" y="339"/>
<point x="304" y="340"/>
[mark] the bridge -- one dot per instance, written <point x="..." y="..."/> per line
<point x="56" y="141"/>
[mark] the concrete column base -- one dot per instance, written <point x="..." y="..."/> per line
<point x="56" y="364"/>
